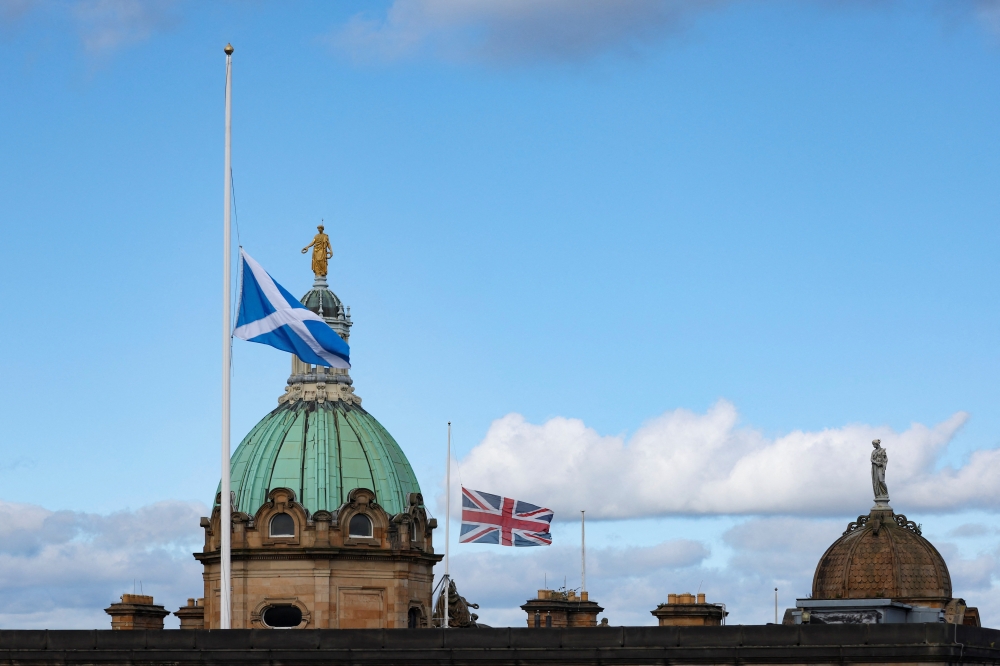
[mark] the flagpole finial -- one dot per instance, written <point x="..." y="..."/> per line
<point x="229" y="49"/>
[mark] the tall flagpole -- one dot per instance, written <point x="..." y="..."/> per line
<point x="225" y="508"/>
<point x="447" y="529"/>
<point x="583" y="552"/>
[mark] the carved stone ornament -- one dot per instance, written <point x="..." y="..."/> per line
<point x="320" y="392"/>
<point x="845" y="617"/>
<point x="856" y="524"/>
<point x="460" y="614"/>
<point x="257" y="614"/>
<point x="907" y="524"/>
<point x="899" y="519"/>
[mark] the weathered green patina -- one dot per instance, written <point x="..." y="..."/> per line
<point x="322" y="451"/>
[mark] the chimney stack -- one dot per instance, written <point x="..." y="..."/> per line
<point x="136" y="611"/>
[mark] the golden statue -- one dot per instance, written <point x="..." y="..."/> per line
<point x="321" y="252"/>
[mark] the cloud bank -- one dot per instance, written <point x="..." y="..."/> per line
<point x="106" y="25"/>
<point x="988" y="13"/>
<point x="687" y="463"/>
<point x="763" y="553"/>
<point x="102" y="26"/>
<point x="60" y="569"/>
<point x="502" y="581"/>
<point x="505" y="31"/>
<point x="521" y="31"/>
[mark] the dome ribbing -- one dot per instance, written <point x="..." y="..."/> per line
<point x="322" y="451"/>
<point x="883" y="556"/>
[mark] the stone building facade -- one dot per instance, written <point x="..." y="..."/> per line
<point x="329" y="530"/>
<point x="357" y="567"/>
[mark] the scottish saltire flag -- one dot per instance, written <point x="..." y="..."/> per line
<point x="271" y="316"/>
<point x="490" y="518"/>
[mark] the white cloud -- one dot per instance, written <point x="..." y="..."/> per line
<point x="760" y="554"/>
<point x="106" y="25"/>
<point x="514" y="30"/>
<point x="501" y="581"/>
<point x="687" y="463"/>
<point x="60" y="569"/>
<point x="629" y="582"/>
<point x="511" y="31"/>
<point x="972" y="574"/>
<point x="702" y="464"/>
<point x="988" y="13"/>
<point x="102" y="26"/>
<point x="970" y="530"/>
<point x="14" y="10"/>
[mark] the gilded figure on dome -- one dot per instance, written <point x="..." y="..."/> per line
<point x="321" y="252"/>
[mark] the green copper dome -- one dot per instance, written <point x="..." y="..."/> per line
<point x="322" y="451"/>
<point x="319" y="442"/>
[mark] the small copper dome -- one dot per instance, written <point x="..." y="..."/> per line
<point x="883" y="556"/>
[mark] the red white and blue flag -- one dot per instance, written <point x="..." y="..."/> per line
<point x="490" y="518"/>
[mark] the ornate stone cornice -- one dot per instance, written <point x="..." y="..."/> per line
<point x="247" y="554"/>
<point x="320" y="392"/>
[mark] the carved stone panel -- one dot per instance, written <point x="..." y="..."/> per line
<point x="361" y="608"/>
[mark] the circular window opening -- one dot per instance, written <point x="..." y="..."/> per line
<point x="282" y="525"/>
<point x="361" y="526"/>
<point x="282" y="617"/>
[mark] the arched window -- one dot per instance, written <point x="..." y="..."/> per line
<point x="282" y="525"/>
<point x="361" y="526"/>
<point x="284" y="616"/>
<point x="413" y="618"/>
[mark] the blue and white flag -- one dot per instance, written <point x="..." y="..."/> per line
<point x="271" y="316"/>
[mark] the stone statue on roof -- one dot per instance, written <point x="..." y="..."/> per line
<point x="879" y="461"/>
<point x="322" y="252"/>
<point x="460" y="614"/>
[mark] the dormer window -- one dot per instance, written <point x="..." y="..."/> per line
<point x="360" y="526"/>
<point x="282" y="525"/>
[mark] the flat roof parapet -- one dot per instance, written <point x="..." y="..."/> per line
<point x="734" y="644"/>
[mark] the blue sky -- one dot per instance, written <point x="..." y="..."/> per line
<point x="588" y="218"/>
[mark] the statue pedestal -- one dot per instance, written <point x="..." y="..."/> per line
<point x="882" y="504"/>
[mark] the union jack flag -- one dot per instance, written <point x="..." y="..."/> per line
<point x="490" y="518"/>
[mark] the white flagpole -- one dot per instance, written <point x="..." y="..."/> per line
<point x="583" y="552"/>
<point x="447" y="529"/>
<point x="225" y="508"/>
